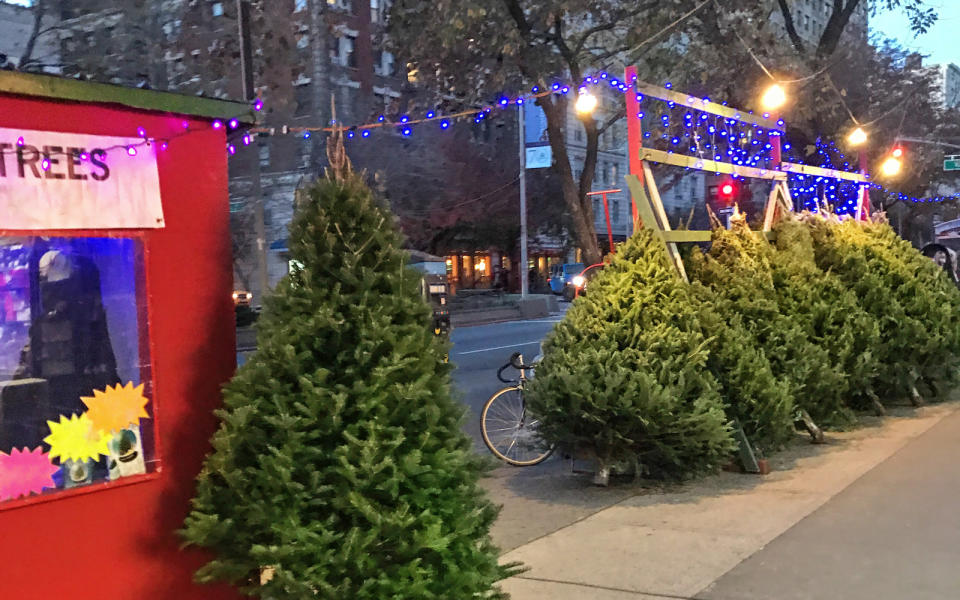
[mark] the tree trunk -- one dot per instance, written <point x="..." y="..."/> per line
<point x="574" y="195"/>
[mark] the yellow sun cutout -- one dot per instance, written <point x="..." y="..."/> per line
<point x="116" y="408"/>
<point x="74" y="439"/>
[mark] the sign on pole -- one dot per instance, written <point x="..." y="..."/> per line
<point x="951" y="163"/>
<point x="539" y="157"/>
<point x="535" y="137"/>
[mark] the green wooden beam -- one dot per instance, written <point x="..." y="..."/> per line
<point x="686" y="237"/>
<point x="714" y="108"/>
<point x="821" y="172"/>
<point x="710" y="166"/>
<point x="61" y="88"/>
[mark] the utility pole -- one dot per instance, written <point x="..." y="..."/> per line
<point x="253" y="154"/>
<point x="524" y="270"/>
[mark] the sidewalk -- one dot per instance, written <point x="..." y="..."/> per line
<point x="628" y="542"/>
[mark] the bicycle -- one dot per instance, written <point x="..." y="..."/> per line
<point x="508" y="430"/>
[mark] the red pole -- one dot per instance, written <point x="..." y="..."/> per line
<point x="606" y="211"/>
<point x="775" y="152"/>
<point x="634" y="134"/>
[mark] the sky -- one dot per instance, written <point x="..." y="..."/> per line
<point x="940" y="42"/>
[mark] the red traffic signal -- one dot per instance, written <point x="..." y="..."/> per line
<point x="727" y="192"/>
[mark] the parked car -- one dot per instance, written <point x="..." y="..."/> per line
<point x="943" y="257"/>
<point x="560" y="276"/>
<point x="579" y="282"/>
<point x="242" y="298"/>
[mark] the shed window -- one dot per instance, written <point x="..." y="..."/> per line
<point x="75" y="390"/>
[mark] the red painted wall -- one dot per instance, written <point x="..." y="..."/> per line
<point x="120" y="542"/>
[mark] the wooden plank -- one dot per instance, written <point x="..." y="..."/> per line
<point x="770" y="211"/>
<point x="60" y="88"/>
<point x="821" y="172"/>
<point x="686" y="236"/>
<point x="657" y="204"/>
<point x="710" y="166"/>
<point x="642" y="202"/>
<point x="713" y="108"/>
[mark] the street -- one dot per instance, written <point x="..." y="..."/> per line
<point x="480" y="350"/>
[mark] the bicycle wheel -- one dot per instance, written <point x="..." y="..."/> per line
<point x="509" y="431"/>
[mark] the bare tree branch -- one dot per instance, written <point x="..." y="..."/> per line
<point x="791" y="27"/>
<point x="38" y="11"/>
<point x="611" y="121"/>
<point x="616" y="20"/>
<point x="839" y="18"/>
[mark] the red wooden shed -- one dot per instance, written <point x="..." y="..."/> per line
<point x="116" y="332"/>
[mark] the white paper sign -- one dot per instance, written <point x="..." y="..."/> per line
<point x="91" y="182"/>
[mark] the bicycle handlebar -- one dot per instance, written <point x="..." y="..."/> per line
<point x="510" y="364"/>
<point x="500" y="373"/>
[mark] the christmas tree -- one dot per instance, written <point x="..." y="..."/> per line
<point x="760" y="403"/>
<point x="340" y="469"/>
<point x="738" y="270"/>
<point x="914" y="305"/>
<point x="828" y="312"/>
<point x="625" y="375"/>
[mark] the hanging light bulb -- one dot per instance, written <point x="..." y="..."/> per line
<point x="891" y="167"/>
<point x="586" y="103"/>
<point x="857" y="136"/>
<point x="774" y="97"/>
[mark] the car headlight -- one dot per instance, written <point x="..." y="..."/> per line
<point x="579" y="280"/>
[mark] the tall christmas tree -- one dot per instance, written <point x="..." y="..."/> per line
<point x="738" y="270"/>
<point x="340" y="469"/>
<point x="915" y="306"/>
<point x="829" y="313"/>
<point x="624" y="376"/>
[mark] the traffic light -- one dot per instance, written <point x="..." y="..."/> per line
<point x="727" y="192"/>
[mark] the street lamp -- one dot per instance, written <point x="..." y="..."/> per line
<point x="586" y="102"/>
<point x="891" y="166"/>
<point x="857" y="136"/>
<point x="773" y="98"/>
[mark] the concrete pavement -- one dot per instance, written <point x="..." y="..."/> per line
<point x="630" y="542"/>
<point x="894" y="533"/>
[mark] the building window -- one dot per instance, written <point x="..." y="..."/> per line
<point x="303" y="94"/>
<point x="386" y="64"/>
<point x="348" y="56"/>
<point x="615" y="209"/>
<point x="264" y="156"/>
<point x="217" y="9"/>
<point x="341" y="4"/>
<point x="75" y="395"/>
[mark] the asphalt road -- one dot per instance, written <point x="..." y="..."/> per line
<point x="480" y="350"/>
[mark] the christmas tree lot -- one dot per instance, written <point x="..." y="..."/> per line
<point x="340" y="469"/>
<point x="624" y="377"/>
<point x="833" y="318"/>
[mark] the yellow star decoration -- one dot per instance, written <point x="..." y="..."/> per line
<point x="74" y="439"/>
<point x="116" y="408"/>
